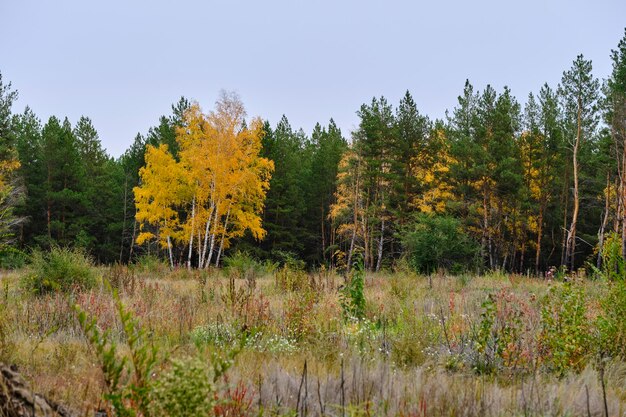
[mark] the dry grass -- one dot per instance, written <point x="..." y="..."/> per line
<point x="411" y="357"/>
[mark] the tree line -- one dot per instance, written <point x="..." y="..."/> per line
<point x="494" y="185"/>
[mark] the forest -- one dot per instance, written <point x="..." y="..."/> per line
<point x="519" y="188"/>
<point x="225" y="265"/>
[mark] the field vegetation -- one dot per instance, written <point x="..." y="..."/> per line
<point x="267" y="339"/>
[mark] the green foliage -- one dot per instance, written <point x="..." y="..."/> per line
<point x="611" y="323"/>
<point x="352" y="297"/>
<point x="112" y="364"/>
<point x="432" y="242"/>
<point x="566" y="333"/>
<point x="613" y="265"/>
<point x="12" y="258"/>
<point x="185" y="389"/>
<point x="243" y="266"/>
<point x="150" y="264"/>
<point x="60" y="269"/>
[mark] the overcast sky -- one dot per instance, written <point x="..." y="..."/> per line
<point x="123" y="63"/>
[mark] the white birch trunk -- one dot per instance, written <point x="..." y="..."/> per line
<point x="219" y="252"/>
<point x="193" y="219"/>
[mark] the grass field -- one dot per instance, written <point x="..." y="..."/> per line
<point x="494" y="345"/>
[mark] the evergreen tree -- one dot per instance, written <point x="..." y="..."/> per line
<point x="615" y="116"/>
<point x="579" y="95"/>
<point x="31" y="172"/>
<point x="328" y="146"/>
<point x="284" y="216"/>
<point x="373" y="141"/>
<point x="102" y="188"/>
<point x="64" y="186"/>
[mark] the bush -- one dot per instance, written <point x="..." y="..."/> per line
<point x="613" y="265"/>
<point x="565" y="338"/>
<point x="351" y="297"/>
<point x="611" y="323"/>
<point x="289" y="279"/>
<point x="184" y="390"/>
<point x="505" y="336"/>
<point x="150" y="264"/>
<point x="433" y="242"/>
<point x="11" y="258"/>
<point x="242" y="265"/>
<point x="61" y="269"/>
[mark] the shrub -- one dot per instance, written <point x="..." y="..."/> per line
<point x="61" y="269"/>
<point x="288" y="259"/>
<point x="290" y="279"/>
<point x="352" y="296"/>
<point x="11" y="258"/>
<point x="150" y="264"/>
<point x="299" y="314"/>
<point x="505" y="336"/>
<point x="184" y="390"/>
<point x="565" y="337"/>
<point x="242" y="265"/>
<point x="611" y="323"/>
<point x="433" y="242"/>
<point x="613" y="264"/>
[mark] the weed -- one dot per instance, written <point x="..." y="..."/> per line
<point x="352" y="296"/>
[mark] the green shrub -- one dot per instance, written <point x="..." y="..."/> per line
<point x="613" y="264"/>
<point x="611" y="323"/>
<point x="11" y="258"/>
<point x="61" y="269"/>
<point x="565" y="337"/>
<point x="242" y="265"/>
<point x="185" y="389"/>
<point x="433" y="242"/>
<point x="288" y="259"/>
<point x="150" y="264"/>
<point x="351" y="297"/>
<point x="504" y="338"/>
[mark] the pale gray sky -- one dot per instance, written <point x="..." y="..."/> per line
<point x="123" y="63"/>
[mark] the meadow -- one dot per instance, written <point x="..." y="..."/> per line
<point x="263" y="339"/>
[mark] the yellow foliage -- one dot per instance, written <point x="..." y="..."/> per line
<point x="220" y="181"/>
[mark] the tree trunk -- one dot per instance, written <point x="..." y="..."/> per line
<point x="124" y="219"/>
<point x="570" y="252"/>
<point x="623" y="198"/>
<point x="485" y="247"/>
<point x="380" y="245"/>
<point x="605" y="220"/>
<point x="169" y="250"/>
<point x="193" y="219"/>
<point x="219" y="252"/>
<point x="539" y="237"/>
<point x="17" y="400"/>
<point x="206" y="236"/>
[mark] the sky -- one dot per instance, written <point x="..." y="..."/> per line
<point x="124" y="63"/>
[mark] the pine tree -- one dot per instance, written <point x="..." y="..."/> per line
<point x="615" y="116"/>
<point x="579" y="95"/>
<point x="328" y="146"/>
<point x="64" y="186"/>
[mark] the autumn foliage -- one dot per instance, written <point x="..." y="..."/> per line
<point x="213" y="192"/>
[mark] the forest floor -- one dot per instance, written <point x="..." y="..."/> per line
<point x="425" y="346"/>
